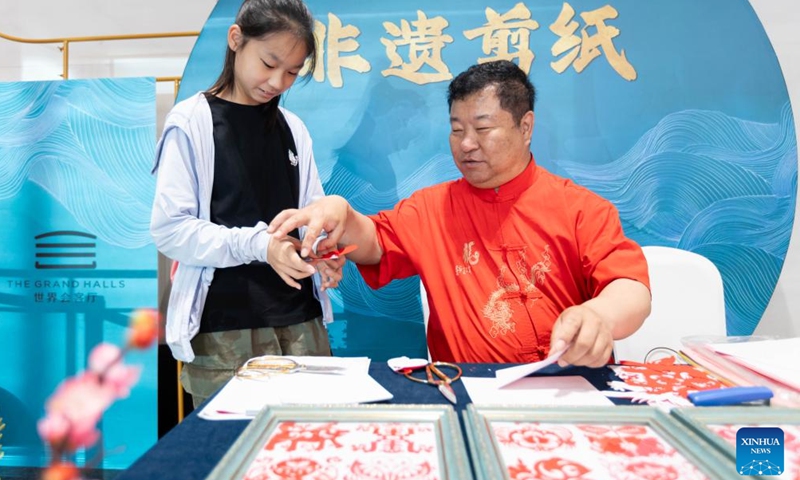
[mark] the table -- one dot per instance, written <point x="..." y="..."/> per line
<point x="193" y="448"/>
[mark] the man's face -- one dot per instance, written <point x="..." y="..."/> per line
<point x="488" y="146"/>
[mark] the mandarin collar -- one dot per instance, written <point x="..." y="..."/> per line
<point x="509" y="190"/>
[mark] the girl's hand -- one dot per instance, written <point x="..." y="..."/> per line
<point x="330" y="270"/>
<point x="283" y="258"/>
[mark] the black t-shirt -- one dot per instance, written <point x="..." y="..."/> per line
<point x="255" y="178"/>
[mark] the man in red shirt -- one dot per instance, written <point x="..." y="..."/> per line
<point x="516" y="261"/>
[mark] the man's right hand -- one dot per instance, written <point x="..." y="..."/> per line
<point x="327" y="214"/>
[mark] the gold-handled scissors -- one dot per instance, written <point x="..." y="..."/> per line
<point x="265" y="366"/>
<point x="442" y="382"/>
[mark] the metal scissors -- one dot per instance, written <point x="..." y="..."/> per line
<point x="442" y="382"/>
<point x="268" y="365"/>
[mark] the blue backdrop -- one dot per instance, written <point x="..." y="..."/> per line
<point x="676" y="111"/>
<point x="76" y="257"/>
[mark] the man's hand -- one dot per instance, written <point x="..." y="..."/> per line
<point x="283" y="258"/>
<point x="328" y="214"/>
<point x="589" y="335"/>
<point x="343" y="224"/>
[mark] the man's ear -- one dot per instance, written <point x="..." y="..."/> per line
<point x="526" y="125"/>
<point x="234" y="37"/>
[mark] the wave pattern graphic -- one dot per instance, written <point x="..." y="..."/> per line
<point x="400" y="299"/>
<point x="88" y="143"/>
<point x="712" y="184"/>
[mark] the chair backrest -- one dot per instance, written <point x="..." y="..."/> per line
<point x="688" y="299"/>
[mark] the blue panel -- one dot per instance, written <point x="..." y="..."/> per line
<point x="77" y="258"/>
<point x="698" y="151"/>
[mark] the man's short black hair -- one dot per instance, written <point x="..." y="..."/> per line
<point x="512" y="86"/>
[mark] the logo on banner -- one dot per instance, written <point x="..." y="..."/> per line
<point x="66" y="250"/>
<point x="67" y="272"/>
<point x="759" y="451"/>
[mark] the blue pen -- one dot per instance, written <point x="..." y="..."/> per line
<point x="730" y="396"/>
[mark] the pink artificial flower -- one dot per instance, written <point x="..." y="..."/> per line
<point x="106" y="361"/>
<point x="53" y="428"/>
<point x="82" y="395"/>
<point x="103" y="357"/>
<point x="81" y="401"/>
<point x="83" y="433"/>
<point x="120" y="378"/>
<point x="73" y="411"/>
<point x="143" y="327"/>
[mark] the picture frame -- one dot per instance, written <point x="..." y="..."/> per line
<point x="602" y="442"/>
<point x="348" y="441"/>
<point x="718" y="425"/>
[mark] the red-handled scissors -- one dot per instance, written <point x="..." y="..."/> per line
<point x="332" y="254"/>
<point x="442" y="382"/>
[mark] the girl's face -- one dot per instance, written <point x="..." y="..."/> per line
<point x="264" y="68"/>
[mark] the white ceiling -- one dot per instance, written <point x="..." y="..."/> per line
<point x="49" y="19"/>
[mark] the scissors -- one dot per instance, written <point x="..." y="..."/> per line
<point x="313" y="257"/>
<point x="442" y="383"/>
<point x="268" y="365"/>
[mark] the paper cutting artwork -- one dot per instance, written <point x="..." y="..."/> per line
<point x="791" y="444"/>
<point x="663" y="381"/>
<point x="348" y="450"/>
<point x="565" y="451"/>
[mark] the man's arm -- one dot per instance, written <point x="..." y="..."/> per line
<point x="343" y="225"/>
<point x="591" y="328"/>
<point x="625" y="303"/>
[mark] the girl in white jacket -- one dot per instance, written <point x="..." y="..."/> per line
<point x="228" y="161"/>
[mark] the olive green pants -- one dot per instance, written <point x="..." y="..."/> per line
<point x="218" y="354"/>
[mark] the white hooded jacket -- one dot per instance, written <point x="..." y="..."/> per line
<point x="180" y="222"/>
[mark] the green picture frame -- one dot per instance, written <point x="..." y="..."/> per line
<point x="450" y="450"/>
<point x="487" y="454"/>
<point x="700" y="421"/>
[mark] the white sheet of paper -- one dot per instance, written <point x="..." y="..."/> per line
<point x="239" y="399"/>
<point x="777" y="359"/>
<point x="242" y="399"/>
<point x="508" y="375"/>
<point x="544" y="391"/>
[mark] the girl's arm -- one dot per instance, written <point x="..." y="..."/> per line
<point x="175" y="226"/>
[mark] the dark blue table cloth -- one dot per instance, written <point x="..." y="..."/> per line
<point x="193" y="448"/>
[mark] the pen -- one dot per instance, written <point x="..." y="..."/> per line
<point x="730" y="396"/>
<point x="246" y="413"/>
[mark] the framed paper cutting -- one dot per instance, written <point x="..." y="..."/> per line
<point x="623" y="442"/>
<point x="720" y="425"/>
<point x="348" y="442"/>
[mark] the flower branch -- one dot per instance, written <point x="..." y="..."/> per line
<point x="78" y="404"/>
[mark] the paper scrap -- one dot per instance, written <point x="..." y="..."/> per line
<point x="545" y="391"/>
<point x="509" y="375"/>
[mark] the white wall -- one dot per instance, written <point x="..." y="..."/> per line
<point x="48" y="19"/>
<point x="82" y="18"/>
<point x="781" y="20"/>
